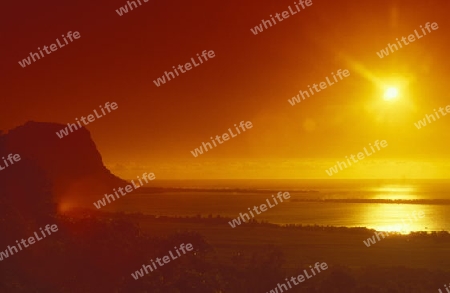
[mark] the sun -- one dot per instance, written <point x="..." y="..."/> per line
<point x="391" y="93"/>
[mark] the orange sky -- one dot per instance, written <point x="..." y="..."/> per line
<point x="251" y="77"/>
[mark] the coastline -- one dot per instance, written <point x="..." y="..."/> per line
<point x="300" y="243"/>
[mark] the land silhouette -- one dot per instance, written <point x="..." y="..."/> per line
<point x="96" y="251"/>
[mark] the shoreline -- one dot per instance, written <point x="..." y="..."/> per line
<point x="79" y="213"/>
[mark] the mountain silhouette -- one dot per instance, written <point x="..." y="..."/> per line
<point x="72" y="164"/>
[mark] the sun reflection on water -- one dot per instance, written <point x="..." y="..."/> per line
<point x="401" y="218"/>
<point x="395" y="192"/>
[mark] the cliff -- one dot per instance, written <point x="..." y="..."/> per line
<point x="72" y="165"/>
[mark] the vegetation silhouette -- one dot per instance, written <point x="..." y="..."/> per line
<point x="97" y="251"/>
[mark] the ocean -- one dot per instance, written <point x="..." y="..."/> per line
<point x="384" y="205"/>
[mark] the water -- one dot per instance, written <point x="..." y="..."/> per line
<point x="368" y="203"/>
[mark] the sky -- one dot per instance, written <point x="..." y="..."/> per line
<point x="250" y="78"/>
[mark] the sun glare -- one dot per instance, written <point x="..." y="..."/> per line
<point x="391" y="93"/>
